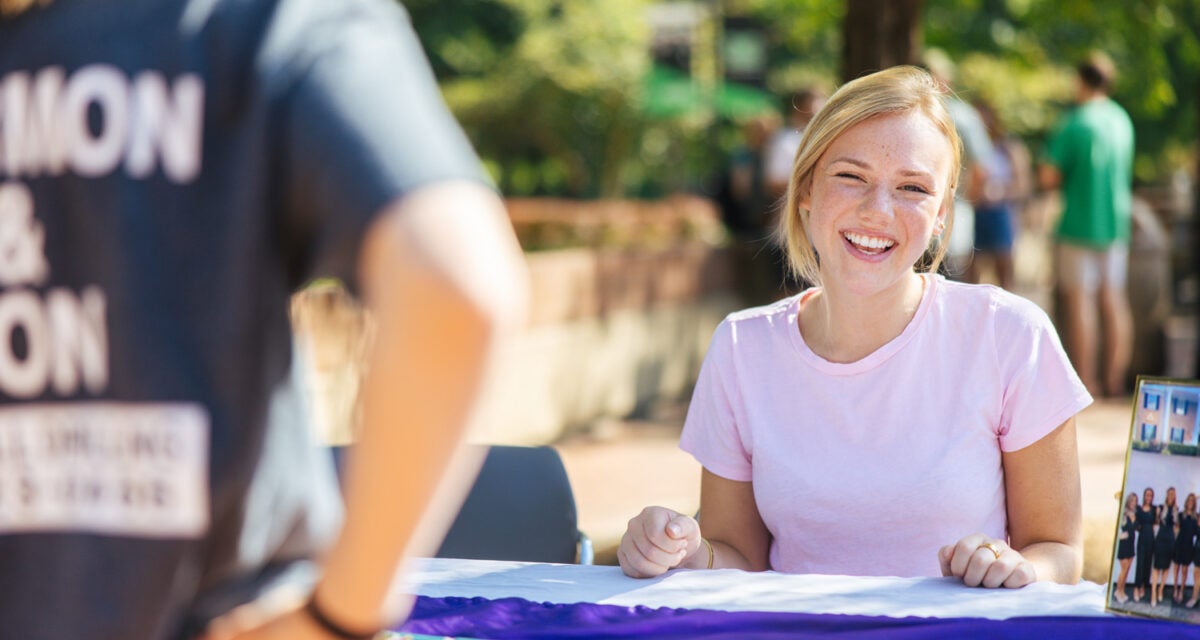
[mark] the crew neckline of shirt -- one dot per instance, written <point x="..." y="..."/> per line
<point x="875" y="358"/>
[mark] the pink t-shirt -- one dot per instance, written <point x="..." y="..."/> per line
<point x="867" y="468"/>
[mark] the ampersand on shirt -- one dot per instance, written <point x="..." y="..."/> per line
<point x="22" y="238"/>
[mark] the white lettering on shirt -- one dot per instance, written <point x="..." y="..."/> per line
<point x="109" y="468"/>
<point x="53" y="339"/>
<point x="98" y="119"/>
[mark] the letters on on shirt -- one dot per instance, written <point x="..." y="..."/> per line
<point x="68" y="463"/>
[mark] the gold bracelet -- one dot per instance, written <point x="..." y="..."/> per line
<point x="708" y="545"/>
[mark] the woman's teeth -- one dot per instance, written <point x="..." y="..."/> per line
<point x="869" y="244"/>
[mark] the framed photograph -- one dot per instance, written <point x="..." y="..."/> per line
<point x="1156" y="559"/>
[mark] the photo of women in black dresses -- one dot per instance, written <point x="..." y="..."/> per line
<point x="1157" y="543"/>
<point x="1155" y="568"/>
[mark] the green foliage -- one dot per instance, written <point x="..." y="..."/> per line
<point x="1154" y="43"/>
<point x="1153" y="447"/>
<point x="1182" y="449"/>
<point x="1027" y="98"/>
<point x="550" y="92"/>
<point x="558" y="95"/>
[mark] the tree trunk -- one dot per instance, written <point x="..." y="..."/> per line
<point x="878" y="34"/>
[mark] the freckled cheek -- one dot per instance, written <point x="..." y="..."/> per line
<point x="834" y="192"/>
<point x="917" y="210"/>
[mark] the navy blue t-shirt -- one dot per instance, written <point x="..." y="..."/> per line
<point x="170" y="171"/>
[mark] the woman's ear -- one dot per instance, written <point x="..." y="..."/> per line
<point x="804" y="199"/>
<point x="803" y="191"/>
<point x="944" y="212"/>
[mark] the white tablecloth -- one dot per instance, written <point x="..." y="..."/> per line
<point x="733" y="590"/>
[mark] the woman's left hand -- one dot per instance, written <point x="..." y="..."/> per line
<point x="981" y="561"/>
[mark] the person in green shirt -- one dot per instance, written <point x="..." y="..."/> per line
<point x="1089" y="156"/>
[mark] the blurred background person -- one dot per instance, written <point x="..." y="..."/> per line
<point x="799" y="108"/>
<point x="1089" y="157"/>
<point x="1006" y="188"/>
<point x="977" y="146"/>
<point x="747" y="212"/>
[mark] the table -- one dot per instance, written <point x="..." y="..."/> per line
<point x="488" y="599"/>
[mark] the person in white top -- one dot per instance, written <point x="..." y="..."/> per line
<point x="782" y="146"/>
<point x="887" y="421"/>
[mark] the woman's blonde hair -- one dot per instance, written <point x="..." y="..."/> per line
<point x="891" y="91"/>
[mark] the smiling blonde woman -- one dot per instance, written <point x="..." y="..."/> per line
<point x="886" y="421"/>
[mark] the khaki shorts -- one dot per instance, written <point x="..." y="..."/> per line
<point x="1089" y="269"/>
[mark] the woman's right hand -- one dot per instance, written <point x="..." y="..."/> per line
<point x="658" y="539"/>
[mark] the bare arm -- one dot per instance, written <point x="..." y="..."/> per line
<point x="730" y="521"/>
<point x="1049" y="177"/>
<point x="1045" y="521"/>
<point x="1045" y="512"/>
<point x="443" y="275"/>
<point x="1022" y="184"/>
<point x="1044" y="504"/>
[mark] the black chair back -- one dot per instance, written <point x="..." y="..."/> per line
<point x="520" y="508"/>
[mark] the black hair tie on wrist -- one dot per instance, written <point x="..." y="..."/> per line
<point x="314" y="611"/>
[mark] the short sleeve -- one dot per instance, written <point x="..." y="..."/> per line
<point x="363" y="125"/>
<point x="1041" y="388"/>
<point x="711" y="432"/>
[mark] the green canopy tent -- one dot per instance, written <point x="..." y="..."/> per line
<point x="670" y="93"/>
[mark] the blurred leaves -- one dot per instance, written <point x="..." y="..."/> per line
<point x="552" y="99"/>
<point x="1033" y="47"/>
<point x="557" y="94"/>
<point x="1028" y="99"/>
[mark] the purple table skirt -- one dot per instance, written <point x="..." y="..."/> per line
<point x="519" y="618"/>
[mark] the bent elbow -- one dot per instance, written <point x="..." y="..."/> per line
<point x="498" y="299"/>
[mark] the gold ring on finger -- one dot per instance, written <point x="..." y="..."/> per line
<point x="993" y="547"/>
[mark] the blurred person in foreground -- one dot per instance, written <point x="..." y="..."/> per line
<point x="170" y="171"/>
<point x="1090" y="157"/>
<point x="940" y="412"/>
